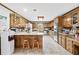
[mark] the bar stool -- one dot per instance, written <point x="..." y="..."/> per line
<point x="26" y="44"/>
<point x="36" y="43"/>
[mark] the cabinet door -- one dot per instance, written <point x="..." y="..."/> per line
<point x="60" y="42"/>
<point x="69" y="45"/>
<point x="67" y="21"/>
<point x="12" y="20"/>
<point x="17" y="41"/>
<point x="63" y="41"/>
<point x="22" y="22"/>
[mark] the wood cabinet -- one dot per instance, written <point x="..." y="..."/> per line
<point x="76" y="48"/>
<point x="63" y="40"/>
<point x="68" y="17"/>
<point x="12" y="20"/>
<point x="60" y="39"/>
<point x="60" y="23"/>
<point x="67" y="21"/>
<point x="50" y="33"/>
<point x="69" y="44"/>
<point x="34" y="25"/>
<point x="19" y="40"/>
<point x="49" y="24"/>
<point x="45" y="25"/>
<point x="22" y="22"/>
<point x="17" y="21"/>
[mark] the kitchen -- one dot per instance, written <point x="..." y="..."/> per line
<point x="25" y="35"/>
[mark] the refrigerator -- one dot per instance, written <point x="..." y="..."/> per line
<point x="56" y="32"/>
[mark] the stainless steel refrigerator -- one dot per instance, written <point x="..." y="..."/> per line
<point x="56" y="32"/>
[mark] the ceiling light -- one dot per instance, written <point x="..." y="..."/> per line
<point x="34" y="9"/>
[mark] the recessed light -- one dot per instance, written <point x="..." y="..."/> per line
<point x="34" y="9"/>
<point x="24" y="9"/>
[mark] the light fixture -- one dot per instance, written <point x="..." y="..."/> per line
<point x="40" y="18"/>
<point x="34" y="9"/>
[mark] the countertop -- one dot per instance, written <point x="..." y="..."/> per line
<point x="70" y="36"/>
<point x="32" y="33"/>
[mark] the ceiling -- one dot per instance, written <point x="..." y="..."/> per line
<point x="49" y="10"/>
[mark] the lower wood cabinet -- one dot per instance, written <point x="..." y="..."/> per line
<point x="75" y="48"/>
<point x="69" y="44"/>
<point x="19" y="40"/>
<point x="60" y="39"/>
<point x="63" y="41"/>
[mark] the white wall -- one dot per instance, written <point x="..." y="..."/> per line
<point x="5" y="12"/>
<point x="5" y="45"/>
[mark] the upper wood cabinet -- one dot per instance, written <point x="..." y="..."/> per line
<point x="22" y="22"/>
<point x="49" y="24"/>
<point x="34" y="25"/>
<point x="45" y="24"/>
<point x="17" y="21"/>
<point x="69" y="18"/>
<point x="60" y="22"/>
<point x="12" y="20"/>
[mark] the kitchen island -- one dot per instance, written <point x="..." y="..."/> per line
<point x="21" y="36"/>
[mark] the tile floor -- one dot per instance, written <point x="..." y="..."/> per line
<point x="50" y="47"/>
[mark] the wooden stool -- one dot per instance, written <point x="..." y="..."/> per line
<point x="26" y="44"/>
<point x="35" y="44"/>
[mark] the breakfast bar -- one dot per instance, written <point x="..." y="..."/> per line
<point x="28" y="40"/>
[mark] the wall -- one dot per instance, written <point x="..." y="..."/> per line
<point x="5" y="44"/>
